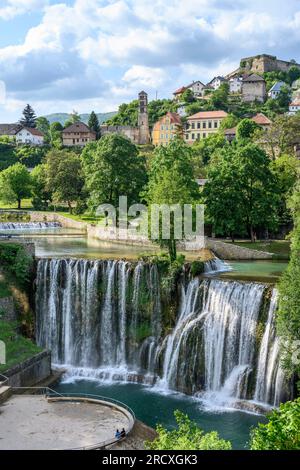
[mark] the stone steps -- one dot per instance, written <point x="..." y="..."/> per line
<point x="5" y="393"/>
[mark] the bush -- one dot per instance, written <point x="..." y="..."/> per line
<point x="16" y="261"/>
<point x="282" y="432"/>
<point x="187" y="436"/>
<point x="197" y="268"/>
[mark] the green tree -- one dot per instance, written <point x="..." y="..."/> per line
<point x="113" y="168"/>
<point x="15" y="184"/>
<point x="93" y="124"/>
<point x="241" y="192"/>
<point x="293" y="74"/>
<point x="171" y="181"/>
<point x="285" y="169"/>
<point x="229" y="122"/>
<point x="281" y="432"/>
<point x="73" y="117"/>
<point x="43" y="125"/>
<point x="29" y="117"/>
<point x="55" y="134"/>
<point x="30" y="156"/>
<point x="288" y="317"/>
<point x="219" y="98"/>
<point x="280" y="138"/>
<point x="64" y="176"/>
<point x="187" y="436"/>
<point x="8" y="155"/>
<point x="41" y="195"/>
<point x="246" y="129"/>
<point x="188" y="96"/>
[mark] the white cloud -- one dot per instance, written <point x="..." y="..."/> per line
<point x="104" y="51"/>
<point x="2" y="92"/>
<point x="14" y="8"/>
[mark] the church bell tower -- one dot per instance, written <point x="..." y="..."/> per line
<point x="143" y="121"/>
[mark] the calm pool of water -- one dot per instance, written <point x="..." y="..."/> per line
<point x="153" y="407"/>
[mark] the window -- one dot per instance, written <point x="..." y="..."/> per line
<point x="161" y="136"/>
<point x="209" y="124"/>
<point x="167" y="128"/>
<point x="193" y="136"/>
<point x="215" y="124"/>
<point x="193" y="125"/>
<point x="198" y="136"/>
<point x="162" y="127"/>
<point x="204" y="135"/>
<point x="198" y="125"/>
<point x="186" y="136"/>
<point x="167" y="136"/>
<point x="204" y="125"/>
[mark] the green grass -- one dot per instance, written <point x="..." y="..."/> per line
<point x="280" y="248"/>
<point x="18" y="348"/>
<point x="26" y="205"/>
<point x="86" y="218"/>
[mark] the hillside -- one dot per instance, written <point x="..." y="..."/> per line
<point x="62" y="117"/>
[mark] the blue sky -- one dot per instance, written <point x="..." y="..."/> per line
<point x="96" y="54"/>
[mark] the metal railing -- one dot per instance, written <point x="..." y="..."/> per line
<point x="4" y="382"/>
<point x="50" y="393"/>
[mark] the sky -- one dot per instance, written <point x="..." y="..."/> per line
<point x="85" y="55"/>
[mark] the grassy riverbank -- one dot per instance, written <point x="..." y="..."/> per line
<point x="279" y="248"/>
<point x="18" y="348"/>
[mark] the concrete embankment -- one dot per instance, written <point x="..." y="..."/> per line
<point x="223" y="250"/>
<point x="31" y="371"/>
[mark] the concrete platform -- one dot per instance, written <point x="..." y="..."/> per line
<point x="32" y="423"/>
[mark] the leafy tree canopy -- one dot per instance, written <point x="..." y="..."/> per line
<point x="113" y="168"/>
<point x="281" y="432"/>
<point x="64" y="176"/>
<point x="15" y="184"/>
<point x="187" y="436"/>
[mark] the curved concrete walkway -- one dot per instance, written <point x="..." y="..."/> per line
<point x="31" y="422"/>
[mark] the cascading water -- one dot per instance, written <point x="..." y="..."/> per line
<point x="269" y="378"/>
<point x="28" y="225"/>
<point x="105" y="320"/>
<point x="216" y="265"/>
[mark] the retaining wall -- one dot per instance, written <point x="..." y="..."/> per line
<point x="31" y="371"/>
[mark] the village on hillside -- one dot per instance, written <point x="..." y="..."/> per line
<point x="260" y="88"/>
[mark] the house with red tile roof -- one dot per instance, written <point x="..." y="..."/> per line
<point x="202" y="124"/>
<point x="29" y="136"/>
<point x="166" y="129"/>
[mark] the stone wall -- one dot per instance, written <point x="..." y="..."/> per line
<point x="7" y="309"/>
<point x="252" y="91"/>
<point x="228" y="251"/>
<point x="31" y="371"/>
<point x="266" y="63"/>
<point x="53" y="217"/>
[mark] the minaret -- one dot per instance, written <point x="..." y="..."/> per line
<point x="143" y="122"/>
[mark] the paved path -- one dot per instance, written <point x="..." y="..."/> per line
<point x="30" y="422"/>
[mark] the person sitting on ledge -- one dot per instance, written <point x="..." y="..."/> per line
<point x="123" y="433"/>
<point x="118" y="434"/>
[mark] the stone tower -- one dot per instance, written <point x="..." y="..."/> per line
<point x="143" y="121"/>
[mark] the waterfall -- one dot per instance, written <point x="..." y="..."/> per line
<point x="105" y="320"/>
<point x="216" y="265"/>
<point x="269" y="376"/>
<point x="28" y="225"/>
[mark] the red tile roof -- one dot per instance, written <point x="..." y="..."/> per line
<point x="208" y="115"/>
<point x="295" y="102"/>
<point x="33" y="131"/>
<point x="180" y="90"/>
<point x="261" y="119"/>
<point x="77" y="127"/>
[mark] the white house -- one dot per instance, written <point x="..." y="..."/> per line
<point x="294" y="107"/>
<point x="235" y="84"/>
<point x="197" y="88"/>
<point x="275" y="90"/>
<point x="216" y="82"/>
<point x="31" y="136"/>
